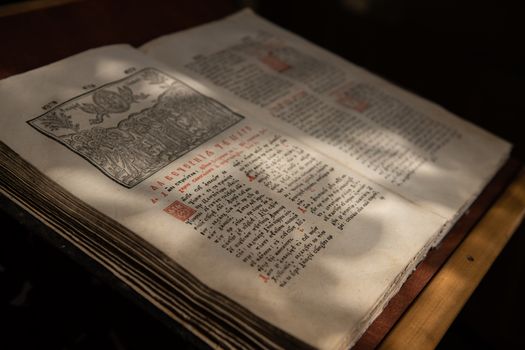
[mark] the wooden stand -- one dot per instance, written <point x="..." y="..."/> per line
<point x="434" y="310"/>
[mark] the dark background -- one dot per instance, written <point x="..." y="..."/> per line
<point x="465" y="55"/>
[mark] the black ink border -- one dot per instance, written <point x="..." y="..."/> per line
<point x="103" y="171"/>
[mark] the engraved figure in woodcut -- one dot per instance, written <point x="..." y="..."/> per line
<point x="141" y="124"/>
<point x="106" y="102"/>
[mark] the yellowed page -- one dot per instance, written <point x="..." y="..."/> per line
<point x="394" y="138"/>
<point x="301" y="241"/>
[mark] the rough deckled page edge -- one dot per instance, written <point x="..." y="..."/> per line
<point x="355" y="334"/>
<point x="450" y="224"/>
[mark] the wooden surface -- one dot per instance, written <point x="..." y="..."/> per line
<point x="436" y="258"/>
<point x="427" y="320"/>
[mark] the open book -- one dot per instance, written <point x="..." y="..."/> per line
<point x="254" y="187"/>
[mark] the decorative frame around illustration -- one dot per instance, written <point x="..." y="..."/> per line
<point x="131" y="128"/>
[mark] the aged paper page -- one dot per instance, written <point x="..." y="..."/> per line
<point x="398" y="140"/>
<point x="293" y="236"/>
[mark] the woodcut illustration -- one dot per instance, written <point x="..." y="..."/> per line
<point x="133" y="127"/>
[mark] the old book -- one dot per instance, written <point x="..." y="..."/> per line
<point x="257" y="189"/>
